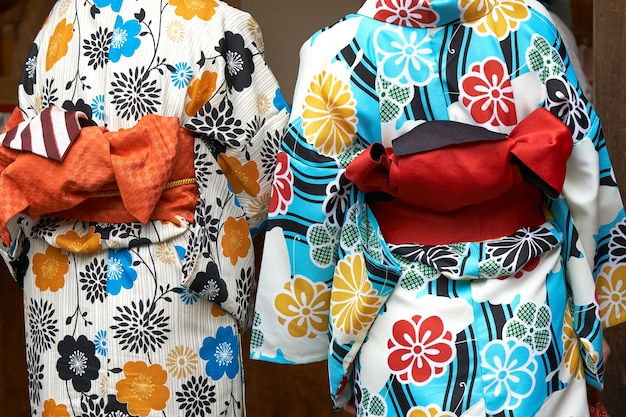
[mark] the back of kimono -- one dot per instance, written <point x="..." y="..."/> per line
<point x="444" y="225"/>
<point x="141" y="316"/>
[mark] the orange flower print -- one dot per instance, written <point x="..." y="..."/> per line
<point x="52" y="409"/>
<point x="240" y="177"/>
<point x="143" y="388"/>
<point x="58" y="43"/>
<point x="200" y="91"/>
<point x="216" y="311"/>
<point x="188" y="9"/>
<point x="72" y="242"/>
<point x="50" y="269"/>
<point x="236" y="241"/>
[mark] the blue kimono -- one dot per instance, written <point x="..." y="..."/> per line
<point x="474" y="291"/>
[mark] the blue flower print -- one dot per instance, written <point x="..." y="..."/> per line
<point x="181" y="74"/>
<point x="221" y="353"/>
<point x="508" y="374"/>
<point x="120" y="273"/>
<point x="101" y="342"/>
<point x="188" y="296"/>
<point x="116" y="5"/>
<point x="124" y="41"/>
<point x="280" y="102"/>
<point x="97" y="107"/>
<point x="405" y="58"/>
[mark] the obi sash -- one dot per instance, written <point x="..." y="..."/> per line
<point x="446" y="182"/>
<point x="135" y="175"/>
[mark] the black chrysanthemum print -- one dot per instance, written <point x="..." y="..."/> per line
<point x="268" y="159"/>
<point x="239" y="61"/>
<point x="564" y="102"/>
<point x="617" y="244"/>
<point x="336" y="204"/>
<point x="35" y="374"/>
<point x="141" y="327"/>
<point x="42" y="325"/>
<point x="196" y="397"/>
<point x="244" y="291"/>
<point x="134" y="94"/>
<point x="46" y="227"/>
<point x="515" y="250"/>
<point x="218" y="123"/>
<point x="97" y="48"/>
<point x="28" y="78"/>
<point x="78" y="362"/>
<point x="93" y="280"/>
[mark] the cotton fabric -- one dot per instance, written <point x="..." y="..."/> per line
<point x="499" y="325"/>
<point x="144" y="317"/>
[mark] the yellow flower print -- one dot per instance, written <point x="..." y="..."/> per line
<point x="175" y="31"/>
<point x="143" y="388"/>
<point x="258" y="208"/>
<point x="354" y="303"/>
<point x="571" y="351"/>
<point x="304" y="307"/>
<point x="240" y="177"/>
<point x="494" y="17"/>
<point x="611" y="291"/>
<point x="166" y="254"/>
<point x="188" y="9"/>
<point x="64" y="7"/>
<point x="181" y="361"/>
<point x="430" y="411"/>
<point x="263" y="103"/>
<point x="200" y="91"/>
<point x="329" y="115"/>
<point x="57" y="48"/>
<point x="256" y="33"/>
<point x="236" y="241"/>
<point x="72" y="242"/>
<point x="52" y="409"/>
<point x="50" y="269"/>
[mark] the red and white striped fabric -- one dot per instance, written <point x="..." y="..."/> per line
<point x="49" y="134"/>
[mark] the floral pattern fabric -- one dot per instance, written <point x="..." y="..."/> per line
<point x="511" y="325"/>
<point x="145" y="319"/>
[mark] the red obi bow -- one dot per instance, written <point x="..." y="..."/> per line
<point x="451" y="173"/>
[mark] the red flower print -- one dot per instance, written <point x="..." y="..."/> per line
<point x="282" y="188"/>
<point x="419" y="349"/>
<point x="486" y="91"/>
<point x="411" y="13"/>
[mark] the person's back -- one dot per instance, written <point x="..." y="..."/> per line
<point x="443" y="208"/>
<point x="132" y="190"/>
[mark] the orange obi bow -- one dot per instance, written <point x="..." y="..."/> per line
<point x="139" y="174"/>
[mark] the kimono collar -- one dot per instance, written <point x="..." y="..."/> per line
<point x="426" y="13"/>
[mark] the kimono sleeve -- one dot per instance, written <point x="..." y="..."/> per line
<point x="245" y="118"/>
<point x="591" y="207"/>
<point x="307" y="209"/>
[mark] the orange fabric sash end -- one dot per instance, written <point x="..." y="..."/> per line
<point x="137" y="164"/>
